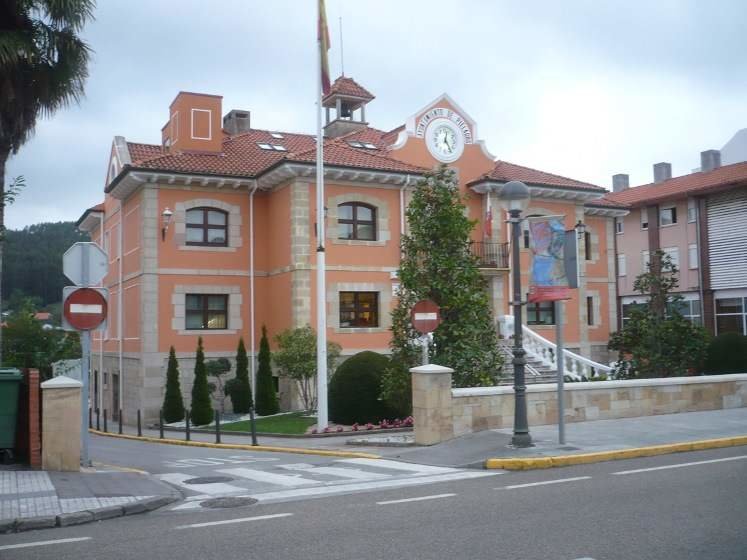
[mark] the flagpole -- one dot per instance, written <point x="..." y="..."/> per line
<point x="321" y="307"/>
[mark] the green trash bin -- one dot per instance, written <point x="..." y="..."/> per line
<point x="10" y="381"/>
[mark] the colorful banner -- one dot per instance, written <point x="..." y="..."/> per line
<point x="548" y="279"/>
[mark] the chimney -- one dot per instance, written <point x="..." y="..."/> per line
<point x="662" y="172"/>
<point x="236" y="121"/>
<point x="620" y="182"/>
<point x="710" y="160"/>
<point x="194" y="123"/>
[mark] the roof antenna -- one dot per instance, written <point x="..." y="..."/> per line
<point x="342" y="52"/>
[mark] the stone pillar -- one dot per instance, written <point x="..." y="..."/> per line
<point x="61" y="424"/>
<point x="431" y="404"/>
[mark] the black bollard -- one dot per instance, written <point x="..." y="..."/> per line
<point x="187" y="434"/>
<point x="98" y="419"/>
<point x="254" y="427"/>
<point x="160" y="423"/>
<point x="105" y="429"/>
<point x="139" y="425"/>
<point x="217" y="426"/>
<point x="120" y="421"/>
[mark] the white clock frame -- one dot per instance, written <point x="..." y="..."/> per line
<point x="458" y="135"/>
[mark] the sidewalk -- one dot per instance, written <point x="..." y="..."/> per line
<point x="42" y="499"/>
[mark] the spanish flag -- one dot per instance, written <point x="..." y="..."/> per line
<point x="323" y="39"/>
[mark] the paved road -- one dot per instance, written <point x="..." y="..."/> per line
<point x="689" y="506"/>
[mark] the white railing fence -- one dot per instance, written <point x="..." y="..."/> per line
<point x="575" y="366"/>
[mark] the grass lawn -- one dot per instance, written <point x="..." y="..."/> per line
<point x="295" y="423"/>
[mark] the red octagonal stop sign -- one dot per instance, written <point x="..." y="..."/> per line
<point x="425" y="316"/>
<point x="85" y="309"/>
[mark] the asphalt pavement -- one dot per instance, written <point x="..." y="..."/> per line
<point x="688" y="506"/>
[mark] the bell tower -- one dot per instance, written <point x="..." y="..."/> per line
<point x="345" y="107"/>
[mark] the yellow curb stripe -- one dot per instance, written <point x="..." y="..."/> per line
<point x="520" y="464"/>
<point x="243" y="447"/>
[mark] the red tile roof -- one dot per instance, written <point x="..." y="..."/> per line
<point x="695" y="183"/>
<point x="505" y="171"/>
<point x="348" y="87"/>
<point x="242" y="156"/>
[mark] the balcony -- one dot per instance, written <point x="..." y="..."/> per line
<point x="490" y="255"/>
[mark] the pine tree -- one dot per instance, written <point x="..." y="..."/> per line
<point x="241" y="390"/>
<point x="267" y="402"/>
<point x="437" y="264"/>
<point x="173" y="404"/>
<point x="202" y="406"/>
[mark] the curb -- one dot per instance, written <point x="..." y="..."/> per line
<point x="244" y="447"/>
<point x="22" y="524"/>
<point x="530" y="463"/>
<point x="347" y="433"/>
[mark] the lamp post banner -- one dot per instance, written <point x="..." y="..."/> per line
<point x="548" y="279"/>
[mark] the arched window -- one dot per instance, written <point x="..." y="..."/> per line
<point x="356" y="221"/>
<point x="207" y="226"/>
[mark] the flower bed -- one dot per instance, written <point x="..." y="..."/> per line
<point x="383" y="425"/>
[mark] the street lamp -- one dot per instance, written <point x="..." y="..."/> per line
<point x="165" y="221"/>
<point x="514" y="197"/>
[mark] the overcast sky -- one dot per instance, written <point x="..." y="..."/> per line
<point x="584" y="89"/>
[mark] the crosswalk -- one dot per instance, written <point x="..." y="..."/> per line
<point x="289" y="481"/>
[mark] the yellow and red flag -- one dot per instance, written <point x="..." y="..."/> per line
<point x="323" y="40"/>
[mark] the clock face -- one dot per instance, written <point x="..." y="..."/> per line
<point x="444" y="140"/>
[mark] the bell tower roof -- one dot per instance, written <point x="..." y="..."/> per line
<point x="349" y="90"/>
<point x="345" y="107"/>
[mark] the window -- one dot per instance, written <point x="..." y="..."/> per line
<point x="359" y="309"/>
<point x="206" y="312"/>
<point x="619" y="225"/>
<point x="587" y="245"/>
<point x="526" y="239"/>
<point x="692" y="210"/>
<point x="644" y="218"/>
<point x="646" y="260"/>
<point x="674" y="254"/>
<point x="668" y="216"/>
<point x="692" y="255"/>
<point x="356" y="221"/>
<point x="207" y="226"/>
<point x="628" y="308"/>
<point x="689" y="309"/>
<point x="276" y="135"/>
<point x="730" y="315"/>
<point x="541" y="313"/>
<point x="621" y="270"/>
<point x="366" y="145"/>
<point x="275" y="147"/>
<point x="590" y="310"/>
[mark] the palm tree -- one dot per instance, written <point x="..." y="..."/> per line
<point x="43" y="67"/>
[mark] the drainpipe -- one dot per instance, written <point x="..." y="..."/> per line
<point x="700" y="265"/>
<point x="120" y="306"/>
<point x="251" y="288"/>
<point x="100" y="396"/>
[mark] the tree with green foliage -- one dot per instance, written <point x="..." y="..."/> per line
<point x="43" y="67"/>
<point x="239" y="387"/>
<point x="354" y="390"/>
<point x="202" y="406"/>
<point x="437" y="264"/>
<point x="656" y="339"/>
<point x="173" y="403"/>
<point x="216" y="369"/>
<point x="296" y="359"/>
<point x="267" y="400"/>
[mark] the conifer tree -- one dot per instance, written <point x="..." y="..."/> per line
<point x="173" y="404"/>
<point x="267" y="402"/>
<point x="241" y="389"/>
<point x="202" y="406"/>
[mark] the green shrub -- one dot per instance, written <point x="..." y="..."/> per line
<point x="173" y="405"/>
<point x="354" y="390"/>
<point x="396" y="388"/>
<point x="240" y="390"/>
<point x="727" y="353"/>
<point x="202" y="406"/>
<point x="267" y="401"/>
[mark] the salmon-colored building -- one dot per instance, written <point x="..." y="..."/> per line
<point x="212" y="234"/>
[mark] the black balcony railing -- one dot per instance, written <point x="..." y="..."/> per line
<point x="490" y="255"/>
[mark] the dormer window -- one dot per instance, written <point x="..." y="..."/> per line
<point x="356" y="221"/>
<point x="207" y="227"/>
<point x="365" y="145"/>
<point x="276" y="135"/>
<point x="274" y="147"/>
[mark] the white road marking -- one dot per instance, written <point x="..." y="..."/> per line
<point x="419" y="499"/>
<point x="542" y="483"/>
<point x="213" y="488"/>
<point x="354" y="474"/>
<point x="679" y="465"/>
<point x="230" y="521"/>
<point x="272" y="478"/>
<point x="43" y="543"/>
<point x="232" y="460"/>
<point x="386" y="464"/>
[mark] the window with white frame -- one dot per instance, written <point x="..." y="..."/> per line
<point x="692" y="210"/>
<point x="692" y="255"/>
<point x="645" y="260"/>
<point x="619" y="225"/>
<point x="621" y="269"/>
<point x="731" y="316"/>
<point x="668" y="216"/>
<point x="674" y="254"/>
<point x="688" y="308"/>
<point x="644" y="218"/>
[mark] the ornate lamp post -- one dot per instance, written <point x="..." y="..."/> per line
<point x="515" y="198"/>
